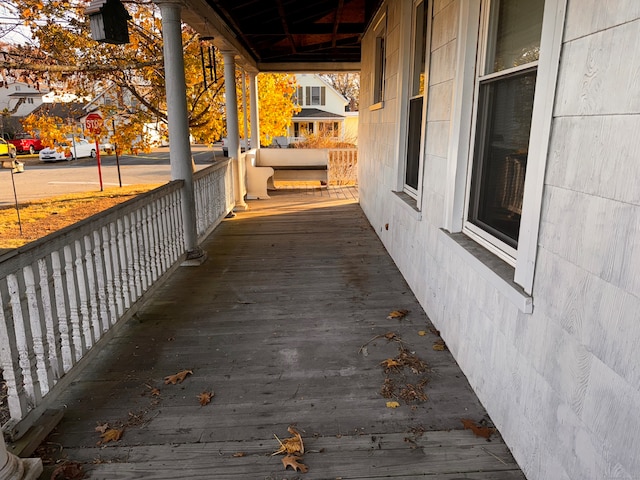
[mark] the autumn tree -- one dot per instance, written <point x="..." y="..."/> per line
<point x="63" y="57"/>
<point x="348" y="85"/>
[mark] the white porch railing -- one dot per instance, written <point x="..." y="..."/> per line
<point x="343" y="166"/>
<point x="63" y="293"/>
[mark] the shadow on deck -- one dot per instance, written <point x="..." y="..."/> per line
<point x="285" y="322"/>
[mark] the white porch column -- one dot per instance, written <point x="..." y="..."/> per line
<point x="244" y="108"/>
<point x="253" y="101"/>
<point x="233" y="135"/>
<point x="179" y="147"/>
<point x="14" y="468"/>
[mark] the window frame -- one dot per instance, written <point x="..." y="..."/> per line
<point x="416" y="193"/>
<point x="380" y="62"/>
<point x="461" y="136"/>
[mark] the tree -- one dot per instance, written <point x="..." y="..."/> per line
<point x="63" y="57"/>
<point x="275" y="105"/>
<point x="348" y="85"/>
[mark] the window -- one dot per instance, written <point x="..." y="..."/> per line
<point x="417" y="87"/>
<point x="30" y="101"/>
<point x="316" y="95"/>
<point x="300" y="129"/>
<point x="379" y="63"/>
<point x="329" y="129"/>
<point x="509" y="49"/>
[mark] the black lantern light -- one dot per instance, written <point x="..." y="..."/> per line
<point x="108" y="21"/>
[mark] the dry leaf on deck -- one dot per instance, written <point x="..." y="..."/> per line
<point x="102" y="428"/>
<point x="422" y="333"/>
<point x="205" y="398"/>
<point x="155" y="392"/>
<point x="294" y="462"/>
<point x="390" y="363"/>
<point x="393" y="404"/>
<point x="111" y="435"/>
<point x="478" y="430"/>
<point x="390" y="336"/>
<point x="239" y="454"/>
<point x="440" y="346"/>
<point x="68" y="471"/>
<point x="290" y="445"/>
<point x="177" y="378"/>
<point x="399" y="314"/>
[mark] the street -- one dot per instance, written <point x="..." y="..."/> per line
<point x="43" y="180"/>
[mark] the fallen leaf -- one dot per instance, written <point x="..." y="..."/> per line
<point x="111" y="435"/>
<point x="390" y="363"/>
<point x="68" y="471"/>
<point x="290" y="445"/>
<point x="390" y="336"/>
<point x="102" y="428"/>
<point x="293" y="462"/>
<point x="205" y="398"/>
<point x="422" y="333"/>
<point x="478" y="430"/>
<point x="440" y="346"/>
<point x="393" y="404"/>
<point x="155" y="392"/>
<point x="399" y="314"/>
<point x="177" y="378"/>
<point x="239" y="454"/>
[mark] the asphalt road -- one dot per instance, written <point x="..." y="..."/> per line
<point x="43" y="180"/>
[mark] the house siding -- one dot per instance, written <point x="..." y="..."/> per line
<point x="561" y="383"/>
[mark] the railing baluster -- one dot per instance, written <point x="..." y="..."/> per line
<point x="74" y="315"/>
<point x="49" y="312"/>
<point x="83" y="297"/>
<point x="10" y="358"/>
<point x="101" y="284"/>
<point x="37" y="333"/>
<point x="91" y="289"/>
<point x="24" y="342"/>
<point x="63" y="312"/>
<point x="135" y="250"/>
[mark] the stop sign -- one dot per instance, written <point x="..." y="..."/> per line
<point x="94" y="123"/>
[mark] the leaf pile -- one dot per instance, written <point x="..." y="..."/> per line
<point x="400" y="371"/>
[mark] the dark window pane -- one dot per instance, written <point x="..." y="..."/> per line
<point x="515" y="32"/>
<point x="500" y="155"/>
<point x="413" y="143"/>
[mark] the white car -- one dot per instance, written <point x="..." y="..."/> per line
<point x="69" y="150"/>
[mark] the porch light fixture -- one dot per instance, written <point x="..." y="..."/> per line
<point x="108" y="20"/>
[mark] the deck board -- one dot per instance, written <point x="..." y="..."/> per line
<point x="280" y="323"/>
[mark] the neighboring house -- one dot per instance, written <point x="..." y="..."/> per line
<point x="498" y="162"/>
<point x="19" y="99"/>
<point x="323" y="112"/>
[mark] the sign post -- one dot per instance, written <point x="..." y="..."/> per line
<point x="94" y="124"/>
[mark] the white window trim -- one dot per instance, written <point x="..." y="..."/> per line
<point x="407" y="80"/>
<point x="379" y="31"/>
<point x="461" y="132"/>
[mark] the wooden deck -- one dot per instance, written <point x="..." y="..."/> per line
<point x="286" y="323"/>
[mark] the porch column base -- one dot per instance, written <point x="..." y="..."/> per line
<point x="195" y="258"/>
<point x="21" y="468"/>
<point x="241" y="206"/>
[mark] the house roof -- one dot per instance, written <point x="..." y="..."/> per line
<point x="288" y="35"/>
<point x="315" y="113"/>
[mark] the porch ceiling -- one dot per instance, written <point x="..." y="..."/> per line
<point x="287" y="35"/>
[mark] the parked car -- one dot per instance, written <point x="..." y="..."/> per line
<point x="7" y="149"/>
<point x="69" y="150"/>
<point x="225" y="146"/>
<point x="26" y="143"/>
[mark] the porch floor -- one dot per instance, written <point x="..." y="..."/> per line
<point x="286" y="322"/>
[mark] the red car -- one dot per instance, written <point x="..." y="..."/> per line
<point x="25" y="143"/>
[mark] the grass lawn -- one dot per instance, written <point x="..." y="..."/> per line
<point x="42" y="217"/>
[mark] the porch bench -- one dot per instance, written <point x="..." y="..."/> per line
<point x="296" y="164"/>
